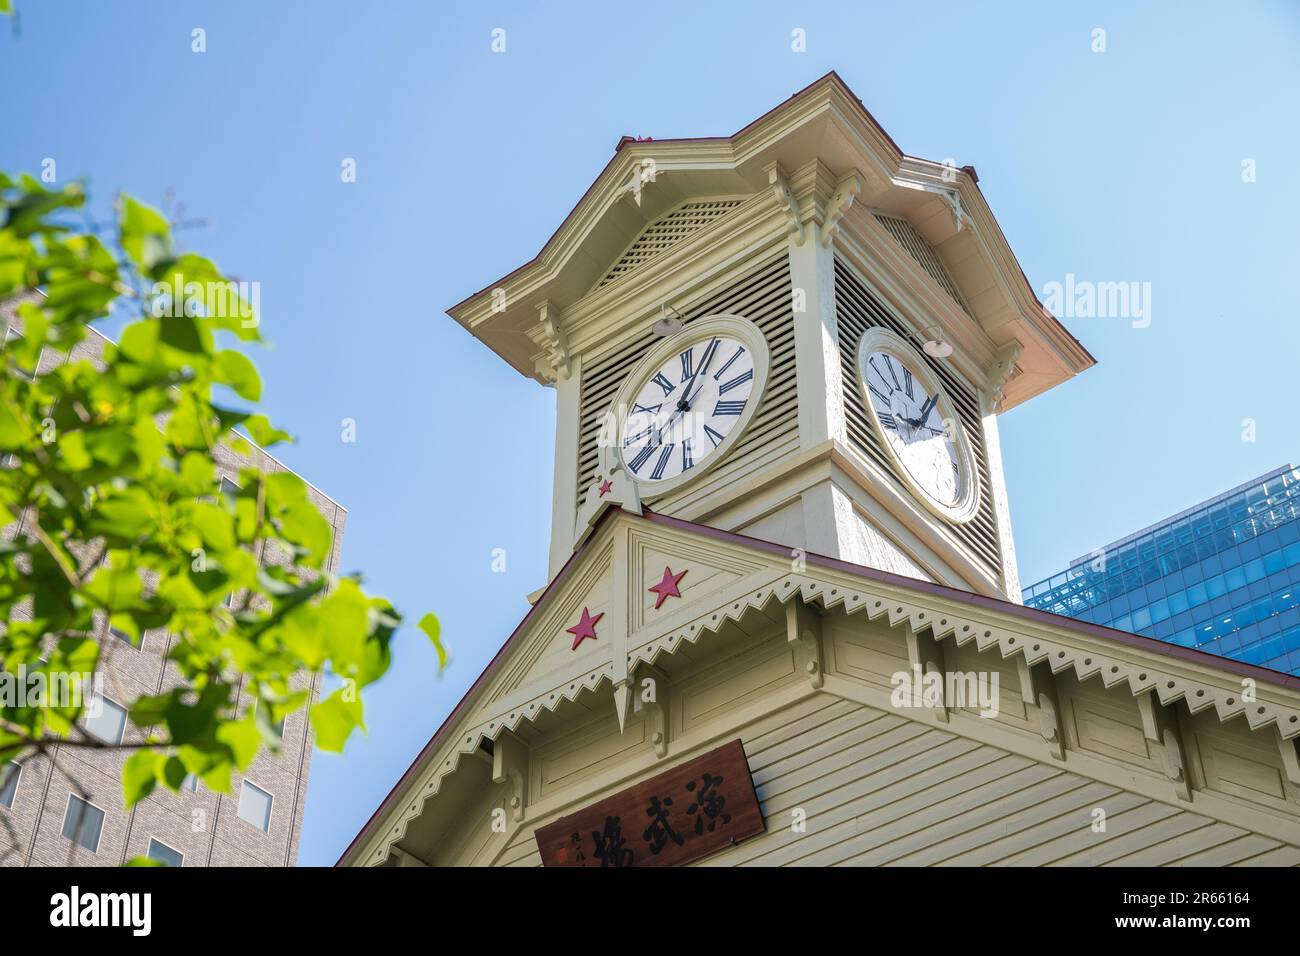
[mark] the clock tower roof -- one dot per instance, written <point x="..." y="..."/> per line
<point x="654" y="193"/>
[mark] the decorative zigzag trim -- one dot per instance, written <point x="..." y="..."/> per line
<point x="831" y="595"/>
<point x="1086" y="664"/>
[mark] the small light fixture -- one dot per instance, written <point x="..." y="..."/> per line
<point x="667" y="324"/>
<point x="936" y="346"/>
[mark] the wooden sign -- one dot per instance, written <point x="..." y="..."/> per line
<point x="680" y="815"/>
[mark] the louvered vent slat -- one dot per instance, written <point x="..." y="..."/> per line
<point x="763" y="297"/>
<point x="919" y="248"/>
<point x="858" y="310"/>
<point x="666" y="231"/>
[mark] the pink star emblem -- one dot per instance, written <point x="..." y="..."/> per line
<point x="606" y="487"/>
<point x="585" y="628"/>
<point x="668" y="586"/>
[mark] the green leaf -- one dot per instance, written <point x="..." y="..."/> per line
<point x="127" y="515"/>
<point x="346" y="611"/>
<point x="146" y="236"/>
<point x="14" y="433"/>
<point x="197" y="474"/>
<point x="184" y="428"/>
<point x="140" y="775"/>
<point x="261" y="430"/>
<point x="174" y="773"/>
<point x="148" y="442"/>
<point x="139" y="860"/>
<point x="217" y="777"/>
<point x="299" y="521"/>
<point x="334" y="719"/>
<point x="150" y="711"/>
<point x="235" y="370"/>
<point x="214" y="525"/>
<point x="185" y="333"/>
<point x="139" y="341"/>
<point x="127" y="624"/>
<point x="110" y="445"/>
<point x="72" y="450"/>
<point x="431" y="626"/>
<point x="243" y="739"/>
<point x="303" y="634"/>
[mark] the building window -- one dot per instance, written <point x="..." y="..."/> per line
<point x="121" y="636"/>
<point x="83" y="823"/>
<point x="191" y="782"/>
<point x="9" y="775"/>
<point x="165" y="854"/>
<point x="109" y="725"/>
<point x="255" y="806"/>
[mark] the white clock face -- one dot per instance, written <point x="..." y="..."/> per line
<point x="687" y="407"/>
<point x="912" y="423"/>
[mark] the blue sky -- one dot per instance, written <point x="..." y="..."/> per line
<point x="1117" y="166"/>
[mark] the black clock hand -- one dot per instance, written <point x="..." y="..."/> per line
<point x="659" y="431"/>
<point x="685" y="404"/>
<point x="919" y="420"/>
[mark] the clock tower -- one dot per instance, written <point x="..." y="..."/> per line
<point x="783" y="623"/>
<point x="797" y="333"/>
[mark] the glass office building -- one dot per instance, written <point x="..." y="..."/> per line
<point x="1223" y="577"/>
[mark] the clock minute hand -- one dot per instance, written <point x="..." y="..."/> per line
<point x="685" y="404"/>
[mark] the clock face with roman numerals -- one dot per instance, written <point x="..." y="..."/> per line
<point x="916" y="422"/>
<point x="687" y="406"/>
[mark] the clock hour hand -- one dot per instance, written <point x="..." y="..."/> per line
<point x="919" y="420"/>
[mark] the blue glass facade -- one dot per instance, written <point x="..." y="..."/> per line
<point x="1223" y="577"/>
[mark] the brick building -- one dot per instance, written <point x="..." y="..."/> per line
<point x="68" y="810"/>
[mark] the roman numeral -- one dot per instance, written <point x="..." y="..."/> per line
<point x="718" y="374"/>
<point x="728" y="408"/>
<point x="649" y="410"/>
<point x="713" y="436"/>
<point x="889" y="364"/>
<point x="688" y="364"/>
<point x="662" y="381"/>
<point x="907" y="382"/>
<point x="872" y="363"/>
<point x="887" y="421"/>
<point x="687" y="461"/>
<point x="884" y="398"/>
<point x="662" y="463"/>
<point x="736" y="382"/>
<point x="641" y="458"/>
